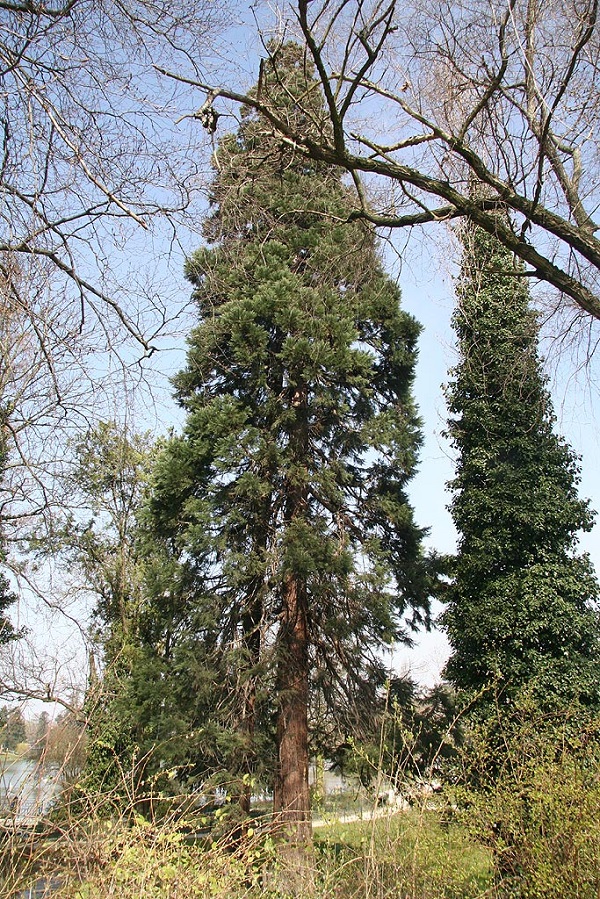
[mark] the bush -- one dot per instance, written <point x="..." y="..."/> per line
<point x="536" y="803"/>
<point x="156" y="862"/>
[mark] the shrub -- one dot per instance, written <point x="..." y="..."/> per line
<point x="536" y="803"/>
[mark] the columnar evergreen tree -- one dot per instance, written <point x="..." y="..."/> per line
<point x="285" y="496"/>
<point x="522" y="607"/>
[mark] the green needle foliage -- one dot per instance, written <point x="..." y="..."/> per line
<point x="522" y="607"/>
<point x="284" y="500"/>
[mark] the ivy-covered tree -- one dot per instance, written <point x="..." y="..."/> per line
<point x="285" y="496"/>
<point x="108" y="482"/>
<point x="523" y="605"/>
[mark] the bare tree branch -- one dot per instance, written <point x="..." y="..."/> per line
<point x="465" y="92"/>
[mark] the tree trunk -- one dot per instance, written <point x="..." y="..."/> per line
<point x="291" y="801"/>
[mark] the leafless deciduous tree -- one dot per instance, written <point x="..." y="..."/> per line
<point x="436" y="96"/>
<point x="91" y="165"/>
<point x="90" y="160"/>
<point x="88" y="150"/>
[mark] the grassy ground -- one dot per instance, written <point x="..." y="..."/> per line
<point x="7" y="757"/>
<point x="412" y="854"/>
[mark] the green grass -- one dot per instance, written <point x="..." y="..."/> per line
<point x="412" y="854"/>
<point x="7" y="757"/>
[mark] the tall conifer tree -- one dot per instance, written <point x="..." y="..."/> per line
<point x="285" y="496"/>
<point x="522" y="607"/>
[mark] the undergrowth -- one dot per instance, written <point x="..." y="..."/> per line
<point x="522" y="821"/>
<point x="405" y="856"/>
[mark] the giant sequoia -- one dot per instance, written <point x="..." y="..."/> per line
<point x="522" y="607"/>
<point x="284" y="498"/>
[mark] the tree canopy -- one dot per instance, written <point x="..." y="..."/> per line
<point x="504" y="93"/>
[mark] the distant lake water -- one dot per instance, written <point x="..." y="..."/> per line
<point x="27" y="789"/>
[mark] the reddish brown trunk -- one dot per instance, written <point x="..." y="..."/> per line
<point x="291" y="803"/>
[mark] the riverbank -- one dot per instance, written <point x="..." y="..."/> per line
<point x="27" y="791"/>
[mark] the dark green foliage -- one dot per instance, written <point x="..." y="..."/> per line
<point x="522" y="608"/>
<point x="288" y="483"/>
<point x="12" y="728"/>
<point x="424" y="732"/>
<point x="417" y="738"/>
